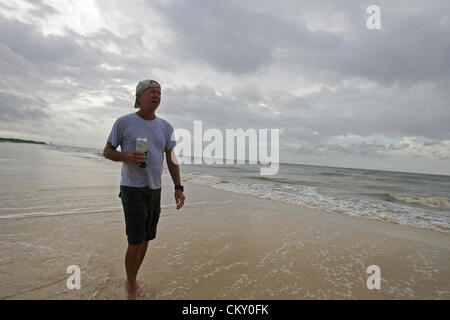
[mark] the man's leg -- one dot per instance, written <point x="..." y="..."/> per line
<point x="143" y="252"/>
<point x="136" y="216"/>
<point x="133" y="260"/>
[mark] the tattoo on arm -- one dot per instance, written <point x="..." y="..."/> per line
<point x="111" y="153"/>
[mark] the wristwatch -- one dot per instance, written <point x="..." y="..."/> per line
<point x="179" y="187"/>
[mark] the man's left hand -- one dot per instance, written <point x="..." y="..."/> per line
<point x="179" y="198"/>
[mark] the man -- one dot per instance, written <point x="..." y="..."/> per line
<point x="140" y="188"/>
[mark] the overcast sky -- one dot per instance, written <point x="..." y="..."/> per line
<point x="341" y="94"/>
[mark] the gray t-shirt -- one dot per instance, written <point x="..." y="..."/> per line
<point x="159" y="134"/>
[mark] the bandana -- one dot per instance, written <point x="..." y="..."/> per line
<point x="145" y="84"/>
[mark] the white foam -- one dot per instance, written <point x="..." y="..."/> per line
<point x="310" y="197"/>
<point x="58" y="213"/>
<point x="436" y="202"/>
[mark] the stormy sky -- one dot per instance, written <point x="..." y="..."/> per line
<point x="341" y="94"/>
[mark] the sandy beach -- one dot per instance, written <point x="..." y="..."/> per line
<point x="221" y="245"/>
<point x="235" y="247"/>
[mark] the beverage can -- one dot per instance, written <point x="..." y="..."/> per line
<point x="141" y="145"/>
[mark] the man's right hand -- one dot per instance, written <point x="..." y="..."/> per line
<point x="133" y="157"/>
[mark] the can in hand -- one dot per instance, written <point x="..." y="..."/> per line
<point x="141" y="145"/>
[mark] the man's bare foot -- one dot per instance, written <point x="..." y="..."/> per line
<point x="131" y="294"/>
<point x="140" y="291"/>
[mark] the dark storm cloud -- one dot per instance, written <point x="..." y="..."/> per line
<point x="408" y="49"/>
<point x="238" y="109"/>
<point x="320" y="117"/>
<point x="17" y="108"/>
<point x="346" y="111"/>
<point x="233" y="36"/>
<point x="33" y="46"/>
<point x="72" y="55"/>
<point x="241" y="37"/>
<point x="351" y="110"/>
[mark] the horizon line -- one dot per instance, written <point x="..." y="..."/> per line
<point x="285" y="163"/>
<point x="294" y="163"/>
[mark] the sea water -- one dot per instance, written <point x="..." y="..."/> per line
<point x="32" y="184"/>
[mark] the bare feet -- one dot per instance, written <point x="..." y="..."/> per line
<point x="133" y="294"/>
<point x="140" y="292"/>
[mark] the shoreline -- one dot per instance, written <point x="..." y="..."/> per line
<point x="442" y="238"/>
<point x="434" y="237"/>
<point x="224" y="245"/>
<point x="407" y="228"/>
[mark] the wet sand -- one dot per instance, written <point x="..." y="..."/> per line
<point x="223" y="245"/>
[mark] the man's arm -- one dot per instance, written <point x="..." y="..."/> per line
<point x="174" y="170"/>
<point x="132" y="157"/>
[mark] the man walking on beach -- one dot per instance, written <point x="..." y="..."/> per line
<point x="140" y="188"/>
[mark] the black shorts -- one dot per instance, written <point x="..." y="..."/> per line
<point x="141" y="207"/>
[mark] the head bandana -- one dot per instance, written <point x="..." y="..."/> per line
<point x="145" y="84"/>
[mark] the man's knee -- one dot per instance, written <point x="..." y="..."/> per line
<point x="136" y="247"/>
<point x="144" y="245"/>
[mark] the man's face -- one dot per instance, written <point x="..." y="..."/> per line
<point x="149" y="99"/>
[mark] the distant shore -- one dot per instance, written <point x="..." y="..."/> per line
<point x="20" y="141"/>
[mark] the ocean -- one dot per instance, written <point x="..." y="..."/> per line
<point x="33" y="184"/>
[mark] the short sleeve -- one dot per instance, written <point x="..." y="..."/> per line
<point x="170" y="139"/>
<point x="115" y="137"/>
